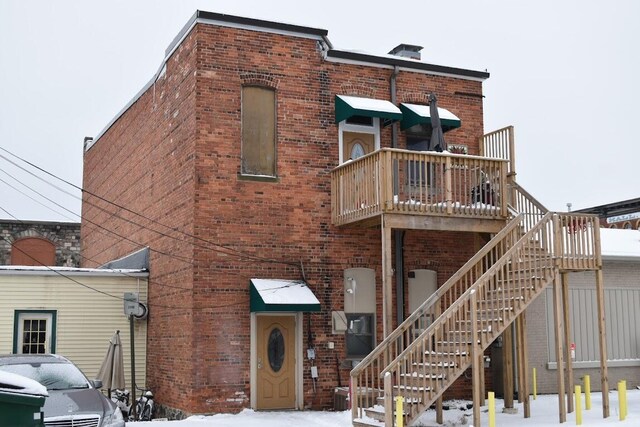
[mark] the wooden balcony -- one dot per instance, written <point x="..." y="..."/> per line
<point x="421" y="190"/>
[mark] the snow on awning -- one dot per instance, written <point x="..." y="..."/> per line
<point x="413" y="114"/>
<point x="282" y="295"/>
<point x="349" y="106"/>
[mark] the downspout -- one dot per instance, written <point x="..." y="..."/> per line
<point x="398" y="235"/>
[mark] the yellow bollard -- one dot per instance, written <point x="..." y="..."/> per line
<point x="624" y="398"/>
<point x="621" y="400"/>
<point x="578" y="394"/>
<point x="535" y="385"/>
<point x="492" y="409"/>
<point x="587" y="392"/>
<point x="399" y="411"/>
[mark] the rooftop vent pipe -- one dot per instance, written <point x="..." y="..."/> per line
<point x="407" y="51"/>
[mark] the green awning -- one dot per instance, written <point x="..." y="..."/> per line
<point x="413" y="114"/>
<point x="282" y="295"/>
<point x="349" y="106"/>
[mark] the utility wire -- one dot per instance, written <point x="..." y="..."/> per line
<point x="91" y="288"/>
<point x="138" y="244"/>
<point x="235" y="252"/>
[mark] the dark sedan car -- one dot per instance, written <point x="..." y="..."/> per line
<point x="73" y="399"/>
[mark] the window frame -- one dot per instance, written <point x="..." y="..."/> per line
<point x="244" y="174"/>
<point x="372" y="333"/>
<point x="373" y="129"/>
<point x="20" y="316"/>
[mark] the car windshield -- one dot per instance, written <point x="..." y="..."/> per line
<point x="54" y="376"/>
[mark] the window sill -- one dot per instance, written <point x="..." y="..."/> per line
<point x="259" y="178"/>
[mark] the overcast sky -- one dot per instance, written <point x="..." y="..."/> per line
<point x="566" y="74"/>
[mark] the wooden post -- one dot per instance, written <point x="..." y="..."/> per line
<point x="447" y="185"/>
<point x="482" y="380"/>
<point x="519" y="358"/>
<point x="475" y="352"/>
<point x="507" y="367"/>
<point x="439" y="408"/>
<point x="567" y="338"/>
<point x="388" y="401"/>
<point x="603" y="344"/>
<point x="557" y="298"/>
<point x="524" y="365"/>
<point x="387" y="279"/>
<point x="512" y="151"/>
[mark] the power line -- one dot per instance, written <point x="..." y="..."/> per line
<point x="234" y="252"/>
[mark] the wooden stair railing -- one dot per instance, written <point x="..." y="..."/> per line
<point x="366" y="383"/>
<point x="431" y="361"/>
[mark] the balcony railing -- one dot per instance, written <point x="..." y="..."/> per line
<point x="419" y="183"/>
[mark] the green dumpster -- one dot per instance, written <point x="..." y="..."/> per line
<point x="21" y="401"/>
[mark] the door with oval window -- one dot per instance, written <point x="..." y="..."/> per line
<point x="276" y="362"/>
<point x="357" y="144"/>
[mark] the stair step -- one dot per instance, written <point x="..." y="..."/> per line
<point x="377" y="413"/>
<point x="445" y="353"/>
<point x="368" y="422"/>
<point x="447" y="365"/>
<point x="494" y="320"/>
<point x="519" y="290"/>
<point x="407" y="400"/>
<point x="420" y="376"/>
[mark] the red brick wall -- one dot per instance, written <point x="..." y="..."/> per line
<point x="175" y="156"/>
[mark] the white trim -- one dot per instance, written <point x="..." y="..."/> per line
<point x="260" y="28"/>
<point x="374" y="130"/>
<point x="596" y="364"/>
<point x="298" y="359"/>
<point x="391" y="67"/>
<point x="22" y="316"/>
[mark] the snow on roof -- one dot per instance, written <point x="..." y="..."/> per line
<point x="620" y="244"/>
<point x="360" y="103"/>
<point x="425" y="111"/>
<point x="14" y="383"/>
<point x="28" y="269"/>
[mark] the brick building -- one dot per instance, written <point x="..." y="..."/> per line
<point x="266" y="170"/>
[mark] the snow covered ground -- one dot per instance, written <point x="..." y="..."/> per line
<point x="544" y="413"/>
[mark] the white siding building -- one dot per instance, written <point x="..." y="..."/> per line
<point x="72" y="312"/>
<point x="621" y="272"/>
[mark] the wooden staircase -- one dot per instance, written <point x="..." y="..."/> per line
<point x="447" y="334"/>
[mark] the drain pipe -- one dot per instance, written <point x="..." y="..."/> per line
<point x="398" y="235"/>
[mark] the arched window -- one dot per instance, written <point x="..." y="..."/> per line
<point x="33" y="251"/>
<point x="626" y="225"/>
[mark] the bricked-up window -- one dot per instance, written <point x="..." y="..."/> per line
<point x="34" y="331"/>
<point x="258" y="131"/>
<point x="33" y="251"/>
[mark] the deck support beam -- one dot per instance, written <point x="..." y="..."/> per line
<point x="567" y="338"/>
<point x="523" y="365"/>
<point x="507" y="366"/>
<point x="603" y="344"/>
<point x="387" y="280"/>
<point x="476" y="352"/>
<point x="557" y="317"/>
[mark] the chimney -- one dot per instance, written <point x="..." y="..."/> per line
<point x="407" y="51"/>
<point x="87" y="141"/>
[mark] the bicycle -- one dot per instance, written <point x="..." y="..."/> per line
<point x="121" y="399"/>
<point x="144" y="406"/>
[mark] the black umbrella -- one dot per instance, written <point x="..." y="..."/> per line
<point x="437" y="137"/>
